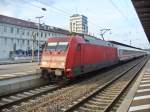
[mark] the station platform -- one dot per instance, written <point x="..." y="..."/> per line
<point x="141" y="100"/>
<point x="17" y="70"/>
<point x="17" y="77"/>
<point x="6" y="62"/>
<point x="138" y="98"/>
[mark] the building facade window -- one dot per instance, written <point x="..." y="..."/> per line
<point x="12" y="40"/>
<point x="37" y="34"/>
<point x="23" y="32"/>
<point x="28" y="42"/>
<point x="23" y="41"/>
<point x="17" y="30"/>
<point x="1" y="26"/>
<point x="5" y="29"/>
<point x="18" y="41"/>
<point x="11" y="30"/>
<point x="28" y="33"/>
<point x="5" y="41"/>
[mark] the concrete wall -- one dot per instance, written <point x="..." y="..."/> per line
<point x="8" y="86"/>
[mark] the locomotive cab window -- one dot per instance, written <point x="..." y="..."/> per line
<point x="62" y="46"/>
<point x="57" y="46"/>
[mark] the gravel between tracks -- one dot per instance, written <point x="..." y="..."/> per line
<point x="59" y="99"/>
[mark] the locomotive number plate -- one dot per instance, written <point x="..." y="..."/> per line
<point x="58" y="72"/>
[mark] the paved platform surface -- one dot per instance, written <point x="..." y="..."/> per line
<point x="13" y="70"/>
<point x="138" y="98"/>
<point x="141" y="100"/>
<point x="6" y="62"/>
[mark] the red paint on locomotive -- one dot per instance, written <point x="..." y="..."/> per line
<point x="75" y="55"/>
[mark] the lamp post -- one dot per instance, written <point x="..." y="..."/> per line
<point x="33" y="40"/>
<point x="38" y="40"/>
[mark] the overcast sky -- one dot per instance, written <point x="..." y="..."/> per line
<point x="119" y="16"/>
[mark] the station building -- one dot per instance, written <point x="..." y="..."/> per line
<point x="16" y="36"/>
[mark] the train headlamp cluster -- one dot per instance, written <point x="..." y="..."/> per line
<point x="53" y="64"/>
<point x="44" y="63"/>
<point x="58" y="72"/>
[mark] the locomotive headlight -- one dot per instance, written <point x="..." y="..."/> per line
<point x="44" y="63"/>
<point x="63" y="64"/>
<point x="58" y="72"/>
<point x="53" y="64"/>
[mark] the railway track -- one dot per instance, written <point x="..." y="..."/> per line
<point x="8" y="101"/>
<point x="56" y="98"/>
<point x="104" y="97"/>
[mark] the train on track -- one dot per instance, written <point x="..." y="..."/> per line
<point x="64" y="58"/>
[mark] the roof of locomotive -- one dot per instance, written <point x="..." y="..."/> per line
<point x="93" y="40"/>
<point x="66" y="39"/>
<point x="52" y="39"/>
<point x="82" y="38"/>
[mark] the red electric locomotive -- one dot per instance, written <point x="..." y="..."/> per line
<point x="68" y="57"/>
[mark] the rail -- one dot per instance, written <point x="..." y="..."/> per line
<point x="104" y="97"/>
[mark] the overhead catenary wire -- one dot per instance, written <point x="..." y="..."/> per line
<point x="52" y="7"/>
<point x="46" y="9"/>
<point x="68" y="13"/>
<point x="118" y="9"/>
<point x="65" y="13"/>
<point x="121" y="12"/>
<point x="126" y="18"/>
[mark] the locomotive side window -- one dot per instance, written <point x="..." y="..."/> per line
<point x="78" y="47"/>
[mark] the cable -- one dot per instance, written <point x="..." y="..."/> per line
<point x="117" y="8"/>
<point x="58" y="9"/>
<point x="66" y="12"/>
<point x="121" y="13"/>
<point x="30" y="3"/>
<point x="94" y="24"/>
